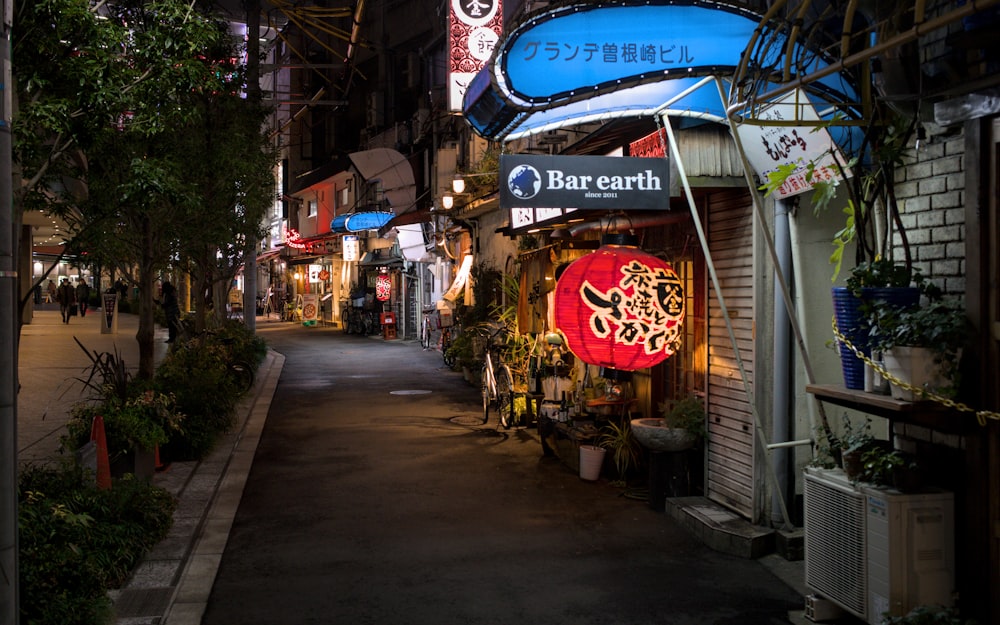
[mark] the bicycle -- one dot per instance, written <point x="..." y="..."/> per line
<point x="497" y="381"/>
<point x="449" y="358"/>
<point x="355" y="321"/>
<point x="426" y="331"/>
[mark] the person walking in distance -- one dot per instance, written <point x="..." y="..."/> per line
<point x="83" y="297"/>
<point x="51" y="289"/>
<point x="171" y="309"/>
<point x="66" y="296"/>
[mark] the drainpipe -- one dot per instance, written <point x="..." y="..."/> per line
<point x="782" y="358"/>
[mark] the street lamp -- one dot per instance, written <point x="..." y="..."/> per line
<point x="447" y="201"/>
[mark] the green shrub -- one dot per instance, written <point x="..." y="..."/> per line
<point x="197" y="371"/>
<point x="77" y="541"/>
<point x="140" y="422"/>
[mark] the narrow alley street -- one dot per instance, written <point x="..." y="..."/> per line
<point x="377" y="496"/>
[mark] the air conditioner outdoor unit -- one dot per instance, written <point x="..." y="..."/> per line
<point x="874" y="551"/>
<point x="834" y="528"/>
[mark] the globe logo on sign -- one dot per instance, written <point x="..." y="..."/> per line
<point x="524" y="182"/>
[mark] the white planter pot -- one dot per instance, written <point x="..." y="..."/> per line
<point x="916" y="367"/>
<point x="591" y="461"/>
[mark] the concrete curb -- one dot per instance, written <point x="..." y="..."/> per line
<point x="173" y="582"/>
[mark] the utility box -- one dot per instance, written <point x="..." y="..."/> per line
<point x="388" y="325"/>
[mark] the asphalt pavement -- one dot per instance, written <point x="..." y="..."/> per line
<point x="360" y="486"/>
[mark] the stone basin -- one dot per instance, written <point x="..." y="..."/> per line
<point x="654" y="436"/>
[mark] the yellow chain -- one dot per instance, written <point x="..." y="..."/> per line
<point x="981" y="415"/>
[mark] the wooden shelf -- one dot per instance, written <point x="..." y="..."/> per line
<point x="923" y="413"/>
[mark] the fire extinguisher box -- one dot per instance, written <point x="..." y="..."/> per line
<point x="388" y="319"/>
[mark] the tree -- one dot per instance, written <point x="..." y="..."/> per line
<point x="103" y="99"/>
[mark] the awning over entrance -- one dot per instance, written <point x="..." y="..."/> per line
<point x="394" y="172"/>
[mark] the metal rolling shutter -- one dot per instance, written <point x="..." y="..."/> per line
<point x="730" y="448"/>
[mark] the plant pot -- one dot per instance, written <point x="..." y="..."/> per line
<point x="916" y="367"/>
<point x="852" y="464"/>
<point x="591" y="461"/>
<point x="847" y="311"/>
<point x="140" y="462"/>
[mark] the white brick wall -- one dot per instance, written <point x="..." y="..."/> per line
<point x="931" y="191"/>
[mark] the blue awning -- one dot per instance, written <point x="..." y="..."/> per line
<point x="356" y="222"/>
<point x="591" y="61"/>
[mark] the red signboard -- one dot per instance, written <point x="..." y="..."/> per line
<point x="620" y="308"/>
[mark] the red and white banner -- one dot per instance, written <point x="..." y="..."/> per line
<point x="474" y="28"/>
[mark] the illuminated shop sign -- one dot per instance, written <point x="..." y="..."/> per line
<point x="537" y="189"/>
<point x="594" y="47"/>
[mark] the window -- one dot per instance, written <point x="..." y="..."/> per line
<point x="311" y="209"/>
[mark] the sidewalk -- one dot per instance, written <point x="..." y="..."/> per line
<point x="173" y="582"/>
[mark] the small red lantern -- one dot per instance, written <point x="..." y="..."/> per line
<point x="383" y="287"/>
<point x="620" y="307"/>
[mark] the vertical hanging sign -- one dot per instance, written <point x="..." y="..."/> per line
<point x="473" y="29"/>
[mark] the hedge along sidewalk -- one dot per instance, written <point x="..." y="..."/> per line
<point x="173" y="582"/>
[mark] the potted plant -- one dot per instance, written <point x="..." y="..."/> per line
<point x="681" y="425"/>
<point x="849" y="447"/>
<point x="890" y="467"/>
<point x="921" y="345"/>
<point x="626" y="454"/>
<point x="134" y="428"/>
<point x="873" y="222"/>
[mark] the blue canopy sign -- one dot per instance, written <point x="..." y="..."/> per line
<point x="540" y="189"/>
<point x="597" y="60"/>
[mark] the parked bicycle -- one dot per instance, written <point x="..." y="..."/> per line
<point x="357" y="321"/>
<point x="427" y="330"/>
<point x="446" y="353"/>
<point x="497" y="381"/>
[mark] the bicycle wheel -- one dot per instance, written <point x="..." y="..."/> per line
<point x="449" y="358"/>
<point x="345" y="320"/>
<point x="242" y="375"/>
<point x="505" y="396"/>
<point x="485" y="389"/>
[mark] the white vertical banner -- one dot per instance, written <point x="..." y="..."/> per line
<point x="770" y="146"/>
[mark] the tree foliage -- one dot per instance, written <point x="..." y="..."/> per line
<point x="132" y="128"/>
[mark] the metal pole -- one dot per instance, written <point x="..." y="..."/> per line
<point x="253" y="94"/>
<point x="9" y="607"/>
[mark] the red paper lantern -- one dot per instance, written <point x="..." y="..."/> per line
<point x="620" y="308"/>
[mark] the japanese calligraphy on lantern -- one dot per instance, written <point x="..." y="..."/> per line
<point x="779" y="142"/>
<point x="473" y="29"/>
<point x="383" y="287"/>
<point x="620" y="307"/>
<point x="645" y="308"/>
